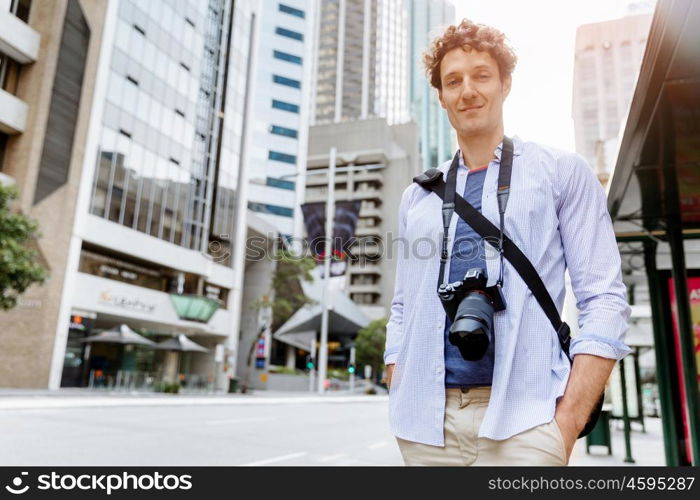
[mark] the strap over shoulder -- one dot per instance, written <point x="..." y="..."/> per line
<point x="428" y="178"/>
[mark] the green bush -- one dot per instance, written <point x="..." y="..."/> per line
<point x="166" y="387"/>
<point x="283" y="370"/>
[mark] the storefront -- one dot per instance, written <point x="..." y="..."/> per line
<point x="101" y="304"/>
<point x="654" y="201"/>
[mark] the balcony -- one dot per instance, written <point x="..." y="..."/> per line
<point x="371" y="212"/>
<point x="17" y="39"/>
<point x="367" y="231"/>
<point x="369" y="176"/>
<point x="322" y="179"/>
<point x="364" y="269"/>
<point x="365" y="288"/>
<point x="13" y="114"/>
<point x="366" y="248"/>
<point x="316" y="196"/>
<point x="368" y="194"/>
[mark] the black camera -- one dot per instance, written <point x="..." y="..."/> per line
<point x="470" y="305"/>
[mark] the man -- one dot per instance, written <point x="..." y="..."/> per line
<point x="523" y="403"/>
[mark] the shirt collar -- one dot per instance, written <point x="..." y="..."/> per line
<point x="517" y="148"/>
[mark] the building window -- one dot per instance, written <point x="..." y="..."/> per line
<point x="289" y="34"/>
<point x="285" y="106"/>
<point x="282" y="80"/>
<point x="9" y="74"/>
<point x="21" y="8"/>
<point x="265" y="208"/>
<point x="283" y="157"/>
<point x="291" y="10"/>
<point x="3" y="147"/>
<point x="287" y="57"/>
<point x="118" y="269"/>
<point x="287" y="132"/>
<point x="280" y="183"/>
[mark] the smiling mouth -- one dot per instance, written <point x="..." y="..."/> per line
<point x="472" y="109"/>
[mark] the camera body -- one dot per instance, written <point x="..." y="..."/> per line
<point x="470" y="305"/>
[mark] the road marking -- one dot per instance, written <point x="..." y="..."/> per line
<point x="380" y="444"/>
<point x="331" y="457"/>
<point x="239" y="420"/>
<point x="277" y="459"/>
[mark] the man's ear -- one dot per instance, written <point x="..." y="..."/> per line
<point x="442" y="103"/>
<point x="506" y="87"/>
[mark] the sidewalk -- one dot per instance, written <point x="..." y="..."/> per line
<point x="647" y="448"/>
<point x="24" y="399"/>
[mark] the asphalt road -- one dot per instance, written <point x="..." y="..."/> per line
<point x="322" y="434"/>
<point x="276" y="431"/>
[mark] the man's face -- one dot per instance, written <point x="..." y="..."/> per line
<point x="472" y="91"/>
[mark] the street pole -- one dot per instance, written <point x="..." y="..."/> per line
<point x="626" y="415"/>
<point x="325" y="302"/>
<point x="312" y="372"/>
<point x="352" y="375"/>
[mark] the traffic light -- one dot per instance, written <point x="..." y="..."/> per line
<point x="351" y="368"/>
<point x="310" y="362"/>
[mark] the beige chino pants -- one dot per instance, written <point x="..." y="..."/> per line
<point x="464" y="411"/>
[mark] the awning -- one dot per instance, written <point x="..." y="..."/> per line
<point x="121" y="334"/>
<point x="194" y="307"/>
<point x="345" y="318"/>
<point x="180" y="343"/>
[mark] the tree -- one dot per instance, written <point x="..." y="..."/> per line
<point x="288" y="297"/>
<point x="369" y="346"/>
<point x="19" y="266"/>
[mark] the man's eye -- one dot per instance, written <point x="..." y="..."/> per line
<point x="451" y="82"/>
<point x="483" y="76"/>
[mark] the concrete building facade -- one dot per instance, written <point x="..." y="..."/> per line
<point x="608" y="56"/>
<point x="386" y="159"/>
<point x="50" y="57"/>
<point x="145" y="225"/>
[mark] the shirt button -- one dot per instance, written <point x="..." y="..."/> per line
<point x="438" y="371"/>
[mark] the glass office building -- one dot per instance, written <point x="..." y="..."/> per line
<point x="171" y="130"/>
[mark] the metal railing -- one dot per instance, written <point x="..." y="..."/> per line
<point x="128" y="381"/>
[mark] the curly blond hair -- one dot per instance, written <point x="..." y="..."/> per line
<point x="469" y="35"/>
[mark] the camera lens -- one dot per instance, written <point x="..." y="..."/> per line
<point x="471" y="329"/>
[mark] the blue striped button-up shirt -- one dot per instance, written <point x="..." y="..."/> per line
<point x="557" y="215"/>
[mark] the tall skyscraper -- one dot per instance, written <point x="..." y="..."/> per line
<point x="608" y="56"/>
<point x="362" y="61"/>
<point x="282" y="112"/>
<point x="437" y="142"/>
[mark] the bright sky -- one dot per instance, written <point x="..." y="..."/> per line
<point x="543" y="33"/>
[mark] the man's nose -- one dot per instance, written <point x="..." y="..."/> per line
<point x="468" y="91"/>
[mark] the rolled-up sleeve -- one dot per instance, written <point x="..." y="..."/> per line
<point x="394" y="328"/>
<point x="593" y="261"/>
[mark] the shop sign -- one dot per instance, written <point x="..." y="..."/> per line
<point x="133" y="303"/>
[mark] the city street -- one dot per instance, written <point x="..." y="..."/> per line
<point x="287" y="433"/>
<point x="261" y="429"/>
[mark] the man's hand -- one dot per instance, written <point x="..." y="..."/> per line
<point x="569" y="428"/>
<point x="587" y="380"/>
<point x="389" y="373"/>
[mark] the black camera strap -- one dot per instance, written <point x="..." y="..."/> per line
<point x="449" y="199"/>
<point x="452" y="202"/>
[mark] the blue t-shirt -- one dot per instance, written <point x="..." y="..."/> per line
<point x="467" y="252"/>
